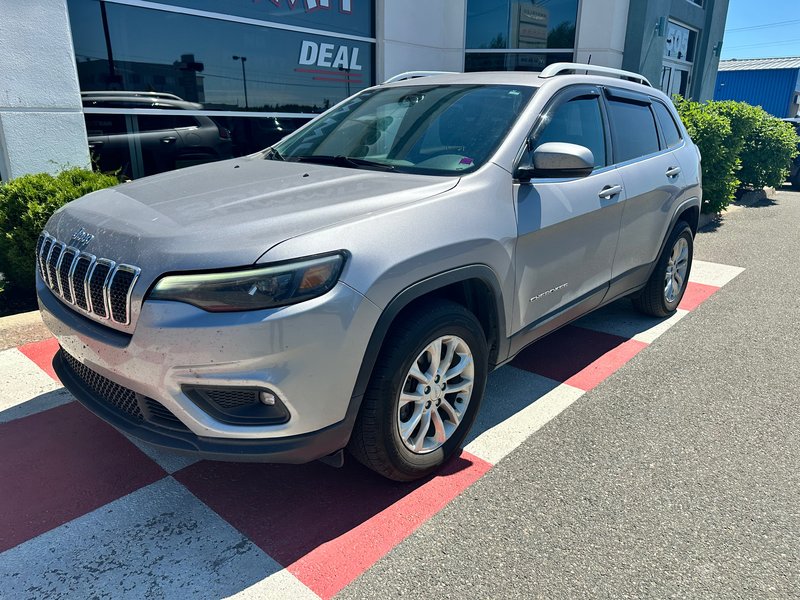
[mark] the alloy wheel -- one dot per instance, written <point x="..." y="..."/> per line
<point x="435" y="394"/>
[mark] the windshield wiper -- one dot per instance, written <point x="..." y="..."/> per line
<point x="272" y="153"/>
<point x="342" y="161"/>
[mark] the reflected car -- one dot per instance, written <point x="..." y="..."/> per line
<point x="147" y="144"/>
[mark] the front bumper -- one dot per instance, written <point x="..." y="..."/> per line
<point x="292" y="449"/>
<point x="309" y="354"/>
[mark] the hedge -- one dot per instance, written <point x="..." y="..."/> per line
<point x="742" y="146"/>
<point x="26" y="204"/>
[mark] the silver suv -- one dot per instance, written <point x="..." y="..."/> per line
<point x="352" y="286"/>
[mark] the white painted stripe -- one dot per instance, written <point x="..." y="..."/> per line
<point x="24" y="388"/>
<point x="622" y="319"/>
<point x="517" y="404"/>
<point x="278" y="585"/>
<point x="714" y="274"/>
<point x="158" y="542"/>
<point x="649" y="336"/>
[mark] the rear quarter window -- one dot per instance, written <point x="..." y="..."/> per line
<point x="634" y="130"/>
<point x="669" y="128"/>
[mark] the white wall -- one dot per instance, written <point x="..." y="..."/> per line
<point x="41" y="124"/>
<point x="601" y="32"/>
<point x="416" y="35"/>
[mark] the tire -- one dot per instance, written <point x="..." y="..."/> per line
<point x="376" y="441"/>
<point x="656" y="299"/>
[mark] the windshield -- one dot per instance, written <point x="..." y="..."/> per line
<point x="436" y="129"/>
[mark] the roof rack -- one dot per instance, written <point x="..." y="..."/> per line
<point x="162" y="95"/>
<point x="562" y="67"/>
<point x="415" y="74"/>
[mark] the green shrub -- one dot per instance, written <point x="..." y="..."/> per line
<point x="767" y="152"/>
<point x="26" y="204"/>
<point x="712" y="133"/>
<point x="764" y="143"/>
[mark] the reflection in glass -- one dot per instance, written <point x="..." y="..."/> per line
<point x="502" y="61"/>
<point x="121" y="47"/>
<point x="500" y="24"/>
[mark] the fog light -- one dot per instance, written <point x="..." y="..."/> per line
<point x="267" y="398"/>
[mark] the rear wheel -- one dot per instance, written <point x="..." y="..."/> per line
<point x="666" y="286"/>
<point x="424" y="393"/>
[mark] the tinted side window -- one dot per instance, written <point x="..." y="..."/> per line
<point x="634" y="130"/>
<point x="161" y="122"/>
<point x="105" y="124"/>
<point x="672" y="134"/>
<point x="578" y="121"/>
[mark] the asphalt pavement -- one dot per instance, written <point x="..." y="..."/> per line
<point x="678" y="476"/>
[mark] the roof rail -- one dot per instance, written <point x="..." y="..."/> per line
<point x="109" y="93"/>
<point x="562" y="67"/>
<point x="415" y="74"/>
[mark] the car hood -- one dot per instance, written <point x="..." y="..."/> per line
<point x="229" y="213"/>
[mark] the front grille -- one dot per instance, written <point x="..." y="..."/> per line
<point x="106" y="390"/>
<point x="122" y="399"/>
<point x="96" y="286"/>
<point x="231" y="398"/>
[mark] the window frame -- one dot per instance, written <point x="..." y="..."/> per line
<point x="662" y="137"/>
<point x="616" y="94"/>
<point x="560" y="97"/>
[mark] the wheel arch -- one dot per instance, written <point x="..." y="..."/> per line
<point x="474" y="286"/>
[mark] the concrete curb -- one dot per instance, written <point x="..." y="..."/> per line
<point x="23" y="328"/>
<point x="748" y="198"/>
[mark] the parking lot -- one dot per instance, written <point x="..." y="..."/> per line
<point x="620" y="456"/>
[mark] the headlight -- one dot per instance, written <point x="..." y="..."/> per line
<point x="253" y="289"/>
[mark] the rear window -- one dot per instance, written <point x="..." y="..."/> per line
<point x="672" y="134"/>
<point x="634" y="130"/>
<point x="161" y="122"/>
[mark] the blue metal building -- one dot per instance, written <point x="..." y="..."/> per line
<point x="772" y="83"/>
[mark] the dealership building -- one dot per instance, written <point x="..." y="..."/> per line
<point x="151" y="85"/>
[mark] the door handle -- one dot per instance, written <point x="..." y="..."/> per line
<point x="169" y="139"/>
<point x="609" y="191"/>
<point x="673" y="171"/>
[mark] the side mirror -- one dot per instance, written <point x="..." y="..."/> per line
<point x="558" y="159"/>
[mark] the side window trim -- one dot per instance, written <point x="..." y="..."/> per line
<point x="562" y="96"/>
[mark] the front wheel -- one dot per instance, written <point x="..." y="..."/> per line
<point x="424" y="393"/>
<point x="666" y="286"/>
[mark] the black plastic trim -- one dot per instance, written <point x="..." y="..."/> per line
<point x="419" y="289"/>
<point x="293" y="449"/>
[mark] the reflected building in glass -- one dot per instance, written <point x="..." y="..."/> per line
<point x="164" y="84"/>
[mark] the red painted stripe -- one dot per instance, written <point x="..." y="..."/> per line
<point x="577" y="356"/>
<point x="696" y="294"/>
<point x="60" y="464"/>
<point x="42" y="354"/>
<point x="600" y="369"/>
<point x="336" y="79"/>
<point x="327" y="526"/>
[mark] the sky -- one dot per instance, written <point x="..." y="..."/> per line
<point x="762" y="29"/>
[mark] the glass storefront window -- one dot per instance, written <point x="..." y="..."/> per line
<point x="281" y="60"/>
<point x="140" y="49"/>
<point x="500" y="24"/>
<point x="516" y="61"/>
<point x="353" y="17"/>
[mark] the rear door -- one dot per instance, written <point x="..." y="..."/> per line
<point x="652" y="178"/>
<point x="567" y="227"/>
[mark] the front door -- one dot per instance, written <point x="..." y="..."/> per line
<point x="567" y="227"/>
